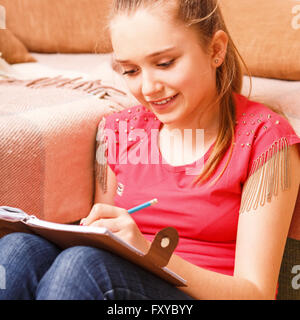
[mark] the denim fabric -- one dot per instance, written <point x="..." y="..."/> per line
<point x="37" y="269"/>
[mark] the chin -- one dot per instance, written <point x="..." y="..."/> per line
<point x="167" y="118"/>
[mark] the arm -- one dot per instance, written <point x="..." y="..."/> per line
<point x="105" y="214"/>
<point x="109" y="195"/>
<point x="261" y="239"/>
<point x="260" y="244"/>
<point x="100" y="196"/>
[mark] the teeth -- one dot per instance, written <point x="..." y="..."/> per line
<point x="163" y="101"/>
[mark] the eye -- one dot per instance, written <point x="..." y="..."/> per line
<point x="166" y="64"/>
<point x="130" y="72"/>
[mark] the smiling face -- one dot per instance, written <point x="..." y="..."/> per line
<point x="165" y="66"/>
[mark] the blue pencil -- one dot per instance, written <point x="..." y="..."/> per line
<point x="142" y="206"/>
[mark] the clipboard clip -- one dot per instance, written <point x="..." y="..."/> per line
<point x="162" y="247"/>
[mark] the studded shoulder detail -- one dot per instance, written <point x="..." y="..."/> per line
<point x="250" y="125"/>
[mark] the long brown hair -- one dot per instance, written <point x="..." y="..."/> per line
<point x="205" y="16"/>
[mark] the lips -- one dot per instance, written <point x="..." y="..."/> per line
<point x="163" y="103"/>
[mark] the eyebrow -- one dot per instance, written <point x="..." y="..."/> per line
<point x="152" y="55"/>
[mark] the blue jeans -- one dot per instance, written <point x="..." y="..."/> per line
<point x="36" y="269"/>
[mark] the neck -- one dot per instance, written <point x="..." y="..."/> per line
<point x="207" y="120"/>
<point x="194" y="144"/>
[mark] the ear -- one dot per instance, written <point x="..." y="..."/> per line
<point x="219" y="48"/>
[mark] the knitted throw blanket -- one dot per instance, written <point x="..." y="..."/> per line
<point x="48" y="132"/>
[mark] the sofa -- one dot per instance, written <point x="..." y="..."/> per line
<point x="58" y="79"/>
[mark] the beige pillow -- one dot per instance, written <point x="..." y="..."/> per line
<point x="65" y="26"/>
<point x="267" y="34"/>
<point x="12" y="49"/>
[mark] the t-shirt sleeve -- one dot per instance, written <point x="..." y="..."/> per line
<point x="268" y="169"/>
<point x="272" y="136"/>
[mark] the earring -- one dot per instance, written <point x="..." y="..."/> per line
<point x="216" y="61"/>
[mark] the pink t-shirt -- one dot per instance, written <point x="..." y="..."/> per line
<point x="205" y="217"/>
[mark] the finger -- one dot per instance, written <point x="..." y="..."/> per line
<point x="111" y="224"/>
<point x="96" y="213"/>
<point x="101" y="210"/>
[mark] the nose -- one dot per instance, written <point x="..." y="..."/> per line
<point x="150" y="85"/>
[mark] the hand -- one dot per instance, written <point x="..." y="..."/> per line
<point x="119" y="222"/>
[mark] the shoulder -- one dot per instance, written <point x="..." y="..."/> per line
<point x="259" y="133"/>
<point x="259" y="127"/>
<point x="135" y="117"/>
<point x="265" y="137"/>
<point x="127" y="126"/>
<point x="255" y="115"/>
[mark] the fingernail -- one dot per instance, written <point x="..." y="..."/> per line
<point x="82" y="222"/>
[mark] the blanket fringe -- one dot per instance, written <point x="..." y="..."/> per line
<point x="268" y="173"/>
<point x="94" y="87"/>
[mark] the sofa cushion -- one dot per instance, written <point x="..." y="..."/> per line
<point x="267" y="35"/>
<point x="12" y="49"/>
<point x="60" y="25"/>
